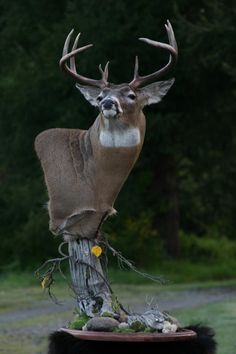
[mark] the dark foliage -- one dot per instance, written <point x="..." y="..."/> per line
<point x="64" y="343"/>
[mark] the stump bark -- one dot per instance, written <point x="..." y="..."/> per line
<point x="89" y="281"/>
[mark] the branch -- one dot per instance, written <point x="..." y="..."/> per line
<point x="46" y="276"/>
<point x="122" y="261"/>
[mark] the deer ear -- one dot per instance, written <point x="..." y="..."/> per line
<point x="89" y="93"/>
<point x="153" y="93"/>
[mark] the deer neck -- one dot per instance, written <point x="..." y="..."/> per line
<point x="114" y="133"/>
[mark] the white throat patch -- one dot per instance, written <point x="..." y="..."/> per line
<point x="125" y="137"/>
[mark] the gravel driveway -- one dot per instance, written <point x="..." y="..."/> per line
<point x="136" y="298"/>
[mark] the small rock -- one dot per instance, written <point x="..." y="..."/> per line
<point x="169" y="327"/>
<point x="102" y="324"/>
<point x="123" y="325"/>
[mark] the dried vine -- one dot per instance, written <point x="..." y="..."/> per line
<point x="47" y="275"/>
<point x="124" y="263"/>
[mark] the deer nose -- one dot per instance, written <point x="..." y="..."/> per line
<point x="108" y="103"/>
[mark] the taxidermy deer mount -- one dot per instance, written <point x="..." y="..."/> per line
<point x="85" y="170"/>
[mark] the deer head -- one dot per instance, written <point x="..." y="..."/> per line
<point x="121" y="101"/>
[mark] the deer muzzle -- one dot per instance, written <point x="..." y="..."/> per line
<point x="110" y="107"/>
<point x="108" y="104"/>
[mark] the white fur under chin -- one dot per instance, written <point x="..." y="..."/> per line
<point x="109" y="113"/>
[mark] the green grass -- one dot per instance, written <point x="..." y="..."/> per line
<point x="172" y="271"/>
<point x="221" y="316"/>
<point x="28" y="336"/>
<point x="20" y="279"/>
<point x="179" y="272"/>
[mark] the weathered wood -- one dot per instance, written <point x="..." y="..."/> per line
<point x="88" y="279"/>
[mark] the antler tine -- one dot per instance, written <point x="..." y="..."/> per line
<point x="104" y="72"/>
<point x="136" y="67"/>
<point x="171" y="48"/>
<point x="72" y="59"/>
<point x="171" y="35"/>
<point x="67" y="42"/>
<point x="71" y="69"/>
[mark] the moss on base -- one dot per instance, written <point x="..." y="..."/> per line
<point x="138" y="326"/>
<point x="123" y="330"/>
<point x="79" y="321"/>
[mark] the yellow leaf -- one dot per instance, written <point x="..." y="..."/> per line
<point x="45" y="281"/>
<point x="96" y="250"/>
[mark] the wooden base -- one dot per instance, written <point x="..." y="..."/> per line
<point x="183" y="335"/>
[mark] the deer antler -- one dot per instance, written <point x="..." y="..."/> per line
<point x="71" y="68"/>
<point x="171" y="48"/>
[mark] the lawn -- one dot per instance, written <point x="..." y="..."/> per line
<point x="221" y="316"/>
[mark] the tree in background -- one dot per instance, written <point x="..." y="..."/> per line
<point x="185" y="177"/>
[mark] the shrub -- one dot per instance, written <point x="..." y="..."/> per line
<point x="137" y="240"/>
<point x="206" y="248"/>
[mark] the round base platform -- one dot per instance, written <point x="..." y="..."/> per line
<point x="183" y="335"/>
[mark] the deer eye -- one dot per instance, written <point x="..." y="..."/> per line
<point x="132" y="96"/>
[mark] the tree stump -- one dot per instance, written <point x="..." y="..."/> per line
<point x="89" y="282"/>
